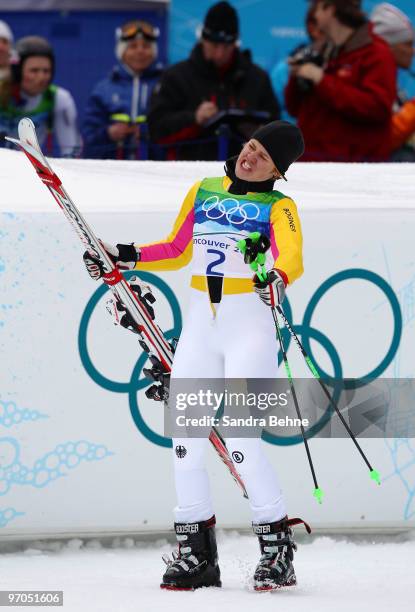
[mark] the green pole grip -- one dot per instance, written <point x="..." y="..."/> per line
<point x="258" y="265"/>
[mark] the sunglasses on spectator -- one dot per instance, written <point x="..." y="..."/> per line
<point x="130" y="30"/>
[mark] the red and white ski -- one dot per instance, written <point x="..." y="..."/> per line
<point x="150" y="333"/>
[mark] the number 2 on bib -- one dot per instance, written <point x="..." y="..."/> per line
<point x="220" y="258"/>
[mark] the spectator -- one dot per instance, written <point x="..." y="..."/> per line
<point x="312" y="49"/>
<point x="395" y="27"/>
<point x="30" y="93"/>
<point x="216" y="77"/>
<point x="346" y="116"/>
<point x="6" y="41"/>
<point x="116" y="113"/>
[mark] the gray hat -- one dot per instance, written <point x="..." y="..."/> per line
<point x="391" y="24"/>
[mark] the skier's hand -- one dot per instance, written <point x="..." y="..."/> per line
<point x="119" y="312"/>
<point x="272" y="291"/>
<point x="124" y="256"/>
<point x="253" y="249"/>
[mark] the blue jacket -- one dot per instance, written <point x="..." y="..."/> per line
<point x="119" y="94"/>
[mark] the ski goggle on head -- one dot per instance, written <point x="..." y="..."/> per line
<point x="135" y="29"/>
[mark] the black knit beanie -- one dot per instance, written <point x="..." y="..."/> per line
<point x="221" y="24"/>
<point x="283" y="142"/>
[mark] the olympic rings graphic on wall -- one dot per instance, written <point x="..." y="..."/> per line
<point x="236" y="215"/>
<point x="305" y="330"/>
<point x="371" y="277"/>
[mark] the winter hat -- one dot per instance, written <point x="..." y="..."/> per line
<point x="31" y="46"/>
<point x="221" y="24"/>
<point x="283" y="141"/>
<point x="391" y="24"/>
<point x="5" y="31"/>
<point x="131" y="31"/>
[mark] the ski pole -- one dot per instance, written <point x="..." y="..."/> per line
<point x="318" y="493"/>
<point x="245" y="246"/>
<point x="253" y="249"/>
<point x="374" y="474"/>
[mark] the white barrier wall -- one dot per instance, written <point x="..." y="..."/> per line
<point x="80" y="445"/>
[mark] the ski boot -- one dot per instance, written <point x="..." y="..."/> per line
<point x="196" y="563"/>
<point x="275" y="568"/>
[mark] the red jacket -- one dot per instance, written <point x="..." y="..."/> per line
<point x="347" y="116"/>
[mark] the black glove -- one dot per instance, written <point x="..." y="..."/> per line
<point x="124" y="256"/>
<point x="252" y="249"/>
<point x="271" y="291"/>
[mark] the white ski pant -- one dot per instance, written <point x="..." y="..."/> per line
<point x="239" y="342"/>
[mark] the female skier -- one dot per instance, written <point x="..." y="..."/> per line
<point x="215" y="215"/>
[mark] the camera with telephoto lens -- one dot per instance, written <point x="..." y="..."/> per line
<point x="306" y="55"/>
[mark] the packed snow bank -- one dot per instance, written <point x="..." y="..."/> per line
<point x="331" y="576"/>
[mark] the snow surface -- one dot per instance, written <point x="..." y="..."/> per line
<point x="332" y="576"/>
<point x="161" y="186"/>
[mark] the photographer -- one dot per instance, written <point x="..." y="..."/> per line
<point x="346" y="114"/>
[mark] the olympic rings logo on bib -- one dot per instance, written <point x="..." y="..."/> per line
<point x="215" y="209"/>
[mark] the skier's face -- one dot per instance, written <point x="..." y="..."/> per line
<point x="36" y="75"/>
<point x="254" y="163"/>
